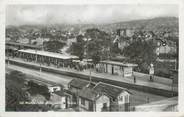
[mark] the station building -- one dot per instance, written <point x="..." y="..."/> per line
<point x="116" y="68"/>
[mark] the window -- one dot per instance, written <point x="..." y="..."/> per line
<point x="104" y="105"/>
<point x="54" y="89"/>
<point x="121" y="98"/>
<point x="82" y="101"/>
<point x="113" y="99"/>
<point x="126" y="99"/>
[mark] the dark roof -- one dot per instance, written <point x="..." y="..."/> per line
<point x="11" y="48"/>
<point x="89" y="94"/>
<point x="118" y="63"/>
<point x="68" y="92"/>
<point x="110" y="90"/>
<point x="78" y="83"/>
<point x="60" y="93"/>
<point x="22" y="44"/>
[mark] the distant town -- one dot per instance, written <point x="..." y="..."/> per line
<point x="125" y="66"/>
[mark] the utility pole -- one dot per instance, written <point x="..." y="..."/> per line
<point x="40" y="68"/>
<point x="8" y="59"/>
<point x="87" y="59"/>
<point x="36" y="56"/>
<point x="90" y="75"/>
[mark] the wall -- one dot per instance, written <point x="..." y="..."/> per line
<point x="122" y="103"/>
<point x="58" y="100"/>
<point x="83" y="107"/>
<point x="127" y="71"/>
<point x="100" y="101"/>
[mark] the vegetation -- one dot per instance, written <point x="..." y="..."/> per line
<point x="38" y="89"/>
<point x="141" y="53"/>
<point x="78" y="48"/>
<point x="94" y="44"/>
<point x="98" y="47"/>
<point x="16" y="95"/>
<point x="53" y="46"/>
<point x="14" y="92"/>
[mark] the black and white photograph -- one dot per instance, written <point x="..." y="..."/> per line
<point x="91" y="57"/>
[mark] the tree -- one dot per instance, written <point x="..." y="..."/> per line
<point x="98" y="47"/>
<point x="78" y="47"/>
<point x="16" y="96"/>
<point x="141" y="53"/>
<point x="39" y="89"/>
<point x="17" y="77"/>
<point x="14" y="92"/>
<point x="53" y="46"/>
<point x="95" y="43"/>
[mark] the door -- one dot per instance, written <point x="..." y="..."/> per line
<point x="112" y="69"/>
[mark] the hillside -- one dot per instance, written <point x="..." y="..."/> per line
<point x="156" y="24"/>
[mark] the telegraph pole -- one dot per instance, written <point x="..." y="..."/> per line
<point x="87" y="60"/>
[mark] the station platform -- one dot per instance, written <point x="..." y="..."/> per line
<point x="160" y="86"/>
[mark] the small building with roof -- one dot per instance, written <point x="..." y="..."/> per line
<point x="114" y="67"/>
<point x="75" y="86"/>
<point x="119" y="97"/>
<point x="91" y="100"/>
<point x="89" y="96"/>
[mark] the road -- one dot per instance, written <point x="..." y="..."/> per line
<point x="137" y="97"/>
<point x="158" y="106"/>
<point x="59" y="79"/>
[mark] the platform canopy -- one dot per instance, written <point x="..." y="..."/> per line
<point x="49" y="54"/>
<point x="11" y="48"/>
<point x="118" y="63"/>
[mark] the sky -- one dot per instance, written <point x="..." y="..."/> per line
<point x="85" y="14"/>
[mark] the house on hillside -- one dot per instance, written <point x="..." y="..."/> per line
<point x="119" y="97"/>
<point x="165" y="47"/>
<point x="123" y="42"/>
<point x="126" y="32"/>
<point x="123" y="37"/>
<point x="91" y="100"/>
<point x="148" y="35"/>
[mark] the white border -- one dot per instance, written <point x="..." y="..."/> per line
<point x="3" y="4"/>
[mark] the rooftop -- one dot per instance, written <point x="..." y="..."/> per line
<point x="110" y="90"/>
<point x="60" y="93"/>
<point x="11" y="48"/>
<point x="78" y="83"/>
<point x="22" y="44"/>
<point x="89" y="94"/>
<point x="118" y="63"/>
<point x="49" y="54"/>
